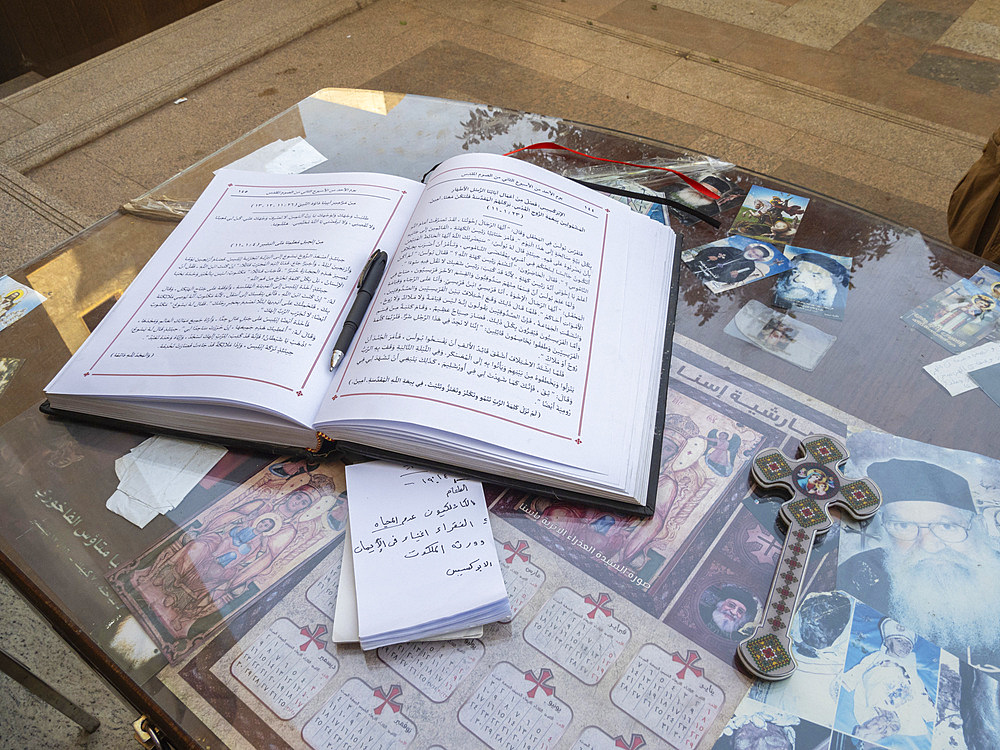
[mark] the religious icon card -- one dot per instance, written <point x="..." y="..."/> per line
<point x="680" y="192"/>
<point x="8" y="366"/>
<point x="816" y="284"/>
<point x="988" y="279"/>
<point x="769" y="215"/>
<point x="776" y="333"/>
<point x="956" y="317"/>
<point x="196" y="578"/>
<point x="16" y="300"/>
<point x="734" y="261"/>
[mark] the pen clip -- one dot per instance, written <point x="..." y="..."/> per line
<point x="368" y="267"/>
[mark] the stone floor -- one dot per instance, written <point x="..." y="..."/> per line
<point x="880" y="104"/>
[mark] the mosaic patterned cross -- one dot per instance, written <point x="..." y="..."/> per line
<point x="816" y="484"/>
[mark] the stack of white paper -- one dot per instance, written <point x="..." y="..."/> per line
<point x="345" y="618"/>
<point x="424" y="558"/>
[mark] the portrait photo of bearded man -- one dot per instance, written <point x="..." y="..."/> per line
<point x="930" y="557"/>
<point x="726" y="609"/>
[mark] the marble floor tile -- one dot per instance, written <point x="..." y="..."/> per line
<point x="679" y="28"/>
<point x="13" y="123"/>
<point x="976" y="37"/>
<point x="908" y="20"/>
<point x="978" y="76"/>
<point x="882" y="47"/>
<point x="987" y="11"/>
<point x="818" y="23"/>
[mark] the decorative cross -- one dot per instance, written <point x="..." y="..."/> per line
<point x="689" y="662"/>
<point x="313" y="637"/>
<point x="816" y="484"/>
<point x="542" y="681"/>
<point x="518" y="551"/>
<point x="635" y="743"/>
<point x="598" y="605"/>
<point x="388" y="700"/>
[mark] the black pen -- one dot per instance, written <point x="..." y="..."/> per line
<point x="371" y="275"/>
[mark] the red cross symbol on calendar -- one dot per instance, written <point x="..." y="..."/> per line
<point x="518" y="551"/>
<point x="598" y="605"/>
<point x="635" y="743"/>
<point x="387" y="700"/>
<point x="689" y="663"/>
<point x="313" y="637"/>
<point x="540" y="682"/>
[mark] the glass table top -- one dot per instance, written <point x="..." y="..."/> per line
<point x="73" y="558"/>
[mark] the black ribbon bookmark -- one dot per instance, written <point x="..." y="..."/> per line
<point x="652" y="199"/>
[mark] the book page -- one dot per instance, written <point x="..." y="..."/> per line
<point x="243" y="301"/>
<point x="505" y="311"/>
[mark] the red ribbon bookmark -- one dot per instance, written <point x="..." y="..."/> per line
<point x="707" y="192"/>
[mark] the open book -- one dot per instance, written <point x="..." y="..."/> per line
<point x="519" y="330"/>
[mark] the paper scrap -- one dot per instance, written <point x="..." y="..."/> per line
<point x="953" y="372"/>
<point x="156" y="475"/>
<point x="293" y="156"/>
<point x="131" y="509"/>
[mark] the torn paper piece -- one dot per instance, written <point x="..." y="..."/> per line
<point x="953" y="372"/>
<point x="155" y="476"/>
<point x="131" y="509"/>
<point x="162" y="470"/>
<point x="293" y="156"/>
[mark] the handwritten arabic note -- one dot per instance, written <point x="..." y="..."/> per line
<point x="953" y="372"/>
<point x="424" y="557"/>
<point x="345" y="617"/>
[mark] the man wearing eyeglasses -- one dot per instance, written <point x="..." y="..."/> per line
<point x="937" y="571"/>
